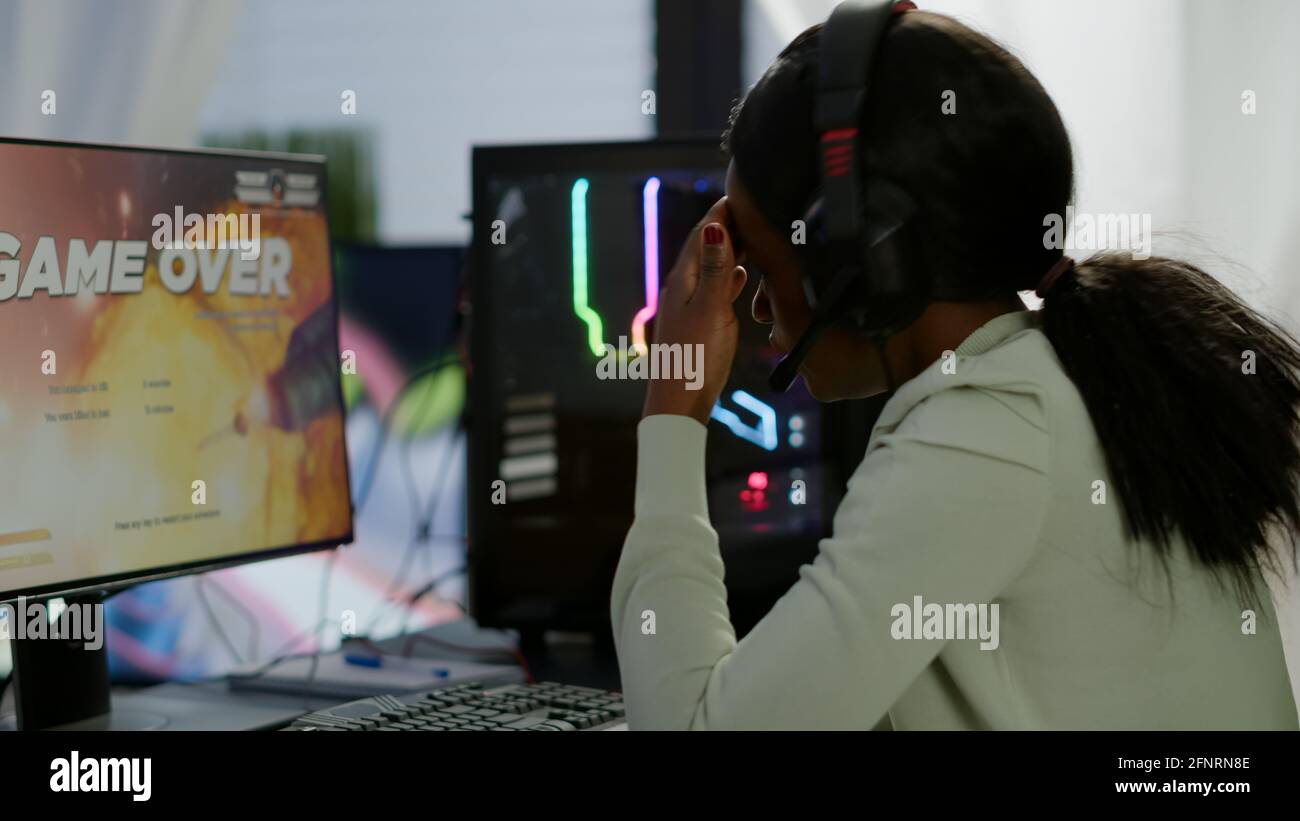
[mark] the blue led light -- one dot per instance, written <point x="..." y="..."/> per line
<point x="764" y="434"/>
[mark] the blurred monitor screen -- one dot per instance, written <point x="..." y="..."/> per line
<point x="169" y="384"/>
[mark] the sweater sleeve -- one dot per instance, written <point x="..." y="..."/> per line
<point x="946" y="506"/>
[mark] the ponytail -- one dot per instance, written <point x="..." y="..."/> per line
<point x="1194" y="397"/>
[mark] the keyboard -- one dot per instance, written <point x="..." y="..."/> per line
<point x="546" y="707"/>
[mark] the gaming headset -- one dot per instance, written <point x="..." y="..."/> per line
<point x="860" y="250"/>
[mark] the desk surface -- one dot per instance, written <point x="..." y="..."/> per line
<point x="563" y="658"/>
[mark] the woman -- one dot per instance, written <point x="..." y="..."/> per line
<point x="1100" y="480"/>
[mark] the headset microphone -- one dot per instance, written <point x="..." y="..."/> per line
<point x="783" y="375"/>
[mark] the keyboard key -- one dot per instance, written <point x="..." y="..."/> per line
<point x="545" y="707"/>
<point x="560" y="725"/>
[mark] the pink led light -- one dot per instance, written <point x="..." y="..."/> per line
<point x="650" y="203"/>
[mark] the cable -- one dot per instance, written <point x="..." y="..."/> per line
<point x="435" y="494"/>
<point x="433" y="584"/>
<point x="428" y="588"/>
<point x="425" y="523"/>
<point x="390" y="601"/>
<point x="362" y="496"/>
<point x="387" y="602"/>
<point x="413" y="505"/>
<point x="422" y="526"/>
<point x="282" y="657"/>
<point x="255" y="626"/>
<point x="386" y="421"/>
<point x="201" y="583"/>
<point x="214" y="622"/>
<point x="326" y="576"/>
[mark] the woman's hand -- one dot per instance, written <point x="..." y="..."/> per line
<point x="696" y="308"/>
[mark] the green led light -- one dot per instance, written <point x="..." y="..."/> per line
<point x="595" y="329"/>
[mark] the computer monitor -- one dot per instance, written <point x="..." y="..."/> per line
<point x="571" y="244"/>
<point x="170" y="395"/>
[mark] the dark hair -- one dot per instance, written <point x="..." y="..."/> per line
<point x="1195" y="442"/>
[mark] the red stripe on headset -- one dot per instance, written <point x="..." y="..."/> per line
<point x="839" y="135"/>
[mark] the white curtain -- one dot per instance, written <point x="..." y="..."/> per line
<point x="129" y="71"/>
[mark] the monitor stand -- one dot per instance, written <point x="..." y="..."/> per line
<point x="56" y="681"/>
<point x="60" y="684"/>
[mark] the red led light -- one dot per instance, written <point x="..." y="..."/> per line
<point x="753" y="501"/>
<point x="757" y="480"/>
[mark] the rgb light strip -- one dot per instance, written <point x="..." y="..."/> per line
<point x="595" y="331"/>
<point x="581" y="306"/>
<point x="650" y="207"/>
<point x="764" y="435"/>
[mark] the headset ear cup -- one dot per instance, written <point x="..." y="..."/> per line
<point x="897" y="288"/>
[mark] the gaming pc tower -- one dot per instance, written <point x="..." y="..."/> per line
<point x="571" y="245"/>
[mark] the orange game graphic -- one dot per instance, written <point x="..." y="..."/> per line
<point x="162" y="407"/>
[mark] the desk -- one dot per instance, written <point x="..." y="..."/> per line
<point x="563" y="657"/>
<point x="211" y="705"/>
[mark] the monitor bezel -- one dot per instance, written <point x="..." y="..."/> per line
<point x="117" y="581"/>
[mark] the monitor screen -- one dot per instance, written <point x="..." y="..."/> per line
<point x="169" y="373"/>
<point x="572" y="244"/>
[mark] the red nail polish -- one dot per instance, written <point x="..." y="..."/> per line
<point x="712" y="235"/>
